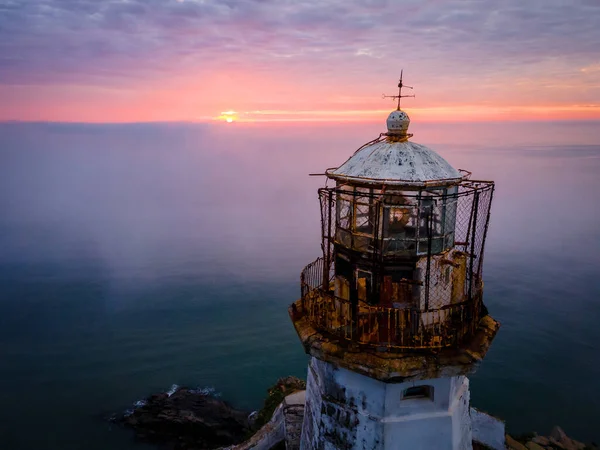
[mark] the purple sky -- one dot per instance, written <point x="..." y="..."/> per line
<point x="192" y="59"/>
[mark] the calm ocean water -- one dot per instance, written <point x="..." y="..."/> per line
<point x="133" y="257"/>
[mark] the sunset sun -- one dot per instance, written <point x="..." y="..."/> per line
<point x="228" y="116"/>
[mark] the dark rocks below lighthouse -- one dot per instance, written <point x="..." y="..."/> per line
<point x="187" y="419"/>
<point x="191" y="419"/>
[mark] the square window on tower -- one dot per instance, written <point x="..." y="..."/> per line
<point x="418" y="392"/>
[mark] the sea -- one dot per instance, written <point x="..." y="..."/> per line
<point x="135" y="257"/>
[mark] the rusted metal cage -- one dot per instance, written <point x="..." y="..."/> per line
<point x="401" y="267"/>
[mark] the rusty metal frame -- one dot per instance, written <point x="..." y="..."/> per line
<point x="332" y="315"/>
<point x="326" y="311"/>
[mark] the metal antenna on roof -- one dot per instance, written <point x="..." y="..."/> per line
<point x="400" y="86"/>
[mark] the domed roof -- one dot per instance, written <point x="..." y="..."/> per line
<point x="392" y="159"/>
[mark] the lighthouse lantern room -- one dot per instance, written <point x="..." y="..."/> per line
<point x="392" y="313"/>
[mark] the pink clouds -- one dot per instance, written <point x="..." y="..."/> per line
<point x="189" y="60"/>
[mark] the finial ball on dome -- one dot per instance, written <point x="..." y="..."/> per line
<point x="397" y="122"/>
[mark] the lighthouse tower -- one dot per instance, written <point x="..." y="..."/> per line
<point x="392" y="314"/>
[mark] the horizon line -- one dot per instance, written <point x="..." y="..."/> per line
<point x="215" y="121"/>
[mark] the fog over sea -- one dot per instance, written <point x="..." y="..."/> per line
<point x="133" y="257"/>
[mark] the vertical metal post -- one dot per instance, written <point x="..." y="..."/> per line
<point x="472" y="256"/>
<point x="428" y="269"/>
<point x="485" y="230"/>
<point x="468" y="226"/>
<point x="328" y="255"/>
<point x="302" y="291"/>
<point x="389" y="327"/>
<point x="377" y="255"/>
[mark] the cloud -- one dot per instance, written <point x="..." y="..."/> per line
<point x="593" y="68"/>
<point x="468" y="43"/>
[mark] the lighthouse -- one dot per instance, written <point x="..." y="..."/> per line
<point x="392" y="313"/>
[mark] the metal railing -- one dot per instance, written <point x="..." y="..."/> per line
<point x="385" y="328"/>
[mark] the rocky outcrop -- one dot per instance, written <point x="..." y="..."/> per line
<point x="187" y="420"/>
<point x="557" y="440"/>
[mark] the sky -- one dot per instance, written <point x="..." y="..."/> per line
<point x="298" y="60"/>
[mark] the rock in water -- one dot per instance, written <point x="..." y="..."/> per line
<point x="188" y="420"/>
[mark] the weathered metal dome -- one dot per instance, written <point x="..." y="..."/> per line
<point x="393" y="159"/>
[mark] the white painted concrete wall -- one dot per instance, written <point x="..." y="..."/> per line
<point x="351" y="411"/>
<point x="488" y="430"/>
<point x="272" y="433"/>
